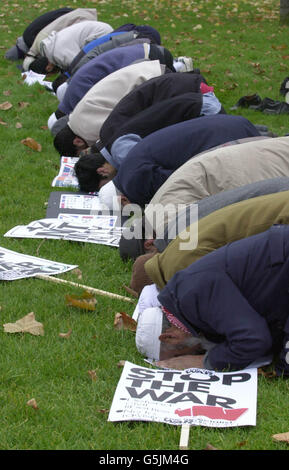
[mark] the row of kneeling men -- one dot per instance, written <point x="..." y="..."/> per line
<point x="211" y="249"/>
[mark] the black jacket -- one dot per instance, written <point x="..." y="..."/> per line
<point x="40" y="22"/>
<point x="159" y="115"/>
<point x="150" y="162"/>
<point x="145" y="95"/>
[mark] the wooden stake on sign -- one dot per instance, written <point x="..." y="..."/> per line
<point x="184" y="439"/>
<point x="90" y="289"/>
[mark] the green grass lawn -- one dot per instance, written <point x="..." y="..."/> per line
<point x="241" y="49"/>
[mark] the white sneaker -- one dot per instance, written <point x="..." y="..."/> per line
<point x="186" y="64"/>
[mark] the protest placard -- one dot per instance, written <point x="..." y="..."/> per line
<point x="194" y="396"/>
<point x="66" y="176"/>
<point x="99" y="229"/>
<point x="30" y="78"/>
<point x="15" y="265"/>
<point x="79" y="202"/>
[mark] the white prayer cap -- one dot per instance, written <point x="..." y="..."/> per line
<point x="60" y="92"/>
<point x="149" y="329"/>
<point x="51" y="121"/>
<point x="108" y="196"/>
<point x="27" y="61"/>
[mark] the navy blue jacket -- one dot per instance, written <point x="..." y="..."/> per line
<point x="145" y="95"/>
<point x="237" y="297"/>
<point x="161" y="114"/>
<point x="150" y="162"/>
<point x="97" y="69"/>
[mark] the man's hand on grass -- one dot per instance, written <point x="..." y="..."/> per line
<point x="182" y="362"/>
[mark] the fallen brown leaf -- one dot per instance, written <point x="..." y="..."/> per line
<point x="231" y="86"/>
<point x="5" y="106"/>
<point x="65" y="335"/>
<point x="18" y="125"/>
<point x="31" y="143"/>
<point x="122" y="321"/>
<point x="77" y="272"/>
<point x="92" y="374"/>
<point x="86" y="301"/>
<point x="32" y="403"/>
<point x="23" y="104"/>
<point x="121" y="363"/>
<point x="282" y="46"/>
<point x="7" y="93"/>
<point x="242" y="443"/>
<point x="3" y="123"/>
<point x="27" y="324"/>
<point x="103" y="411"/>
<point x="210" y="447"/>
<point x="283" y="437"/>
<point x="268" y="375"/>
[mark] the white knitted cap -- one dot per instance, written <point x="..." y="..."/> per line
<point x="149" y="329"/>
<point x="61" y="90"/>
<point x="51" y="121"/>
<point x="108" y="196"/>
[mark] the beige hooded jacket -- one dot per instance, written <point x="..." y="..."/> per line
<point x="91" y="111"/>
<point x="219" y="170"/>
<point x="60" y="47"/>
<point x="75" y="16"/>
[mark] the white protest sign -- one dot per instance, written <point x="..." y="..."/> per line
<point x="99" y="230"/>
<point x="196" y="397"/>
<point x="103" y="222"/>
<point x="15" y="265"/>
<point x="66" y="176"/>
<point x="80" y="202"/>
<point x="30" y="78"/>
